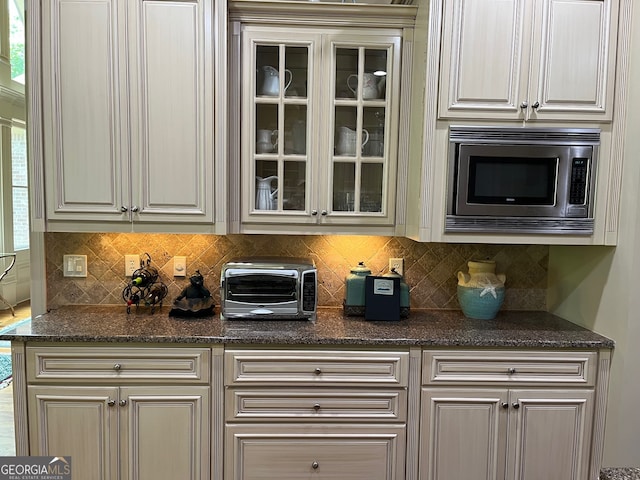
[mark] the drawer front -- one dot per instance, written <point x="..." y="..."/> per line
<point x="300" y="367"/>
<point x="316" y="404"/>
<point x="118" y="365"/>
<point x="508" y="367"/>
<point x="288" y="453"/>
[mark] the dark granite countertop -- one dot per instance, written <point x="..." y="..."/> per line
<point x="439" y="328"/>
<point x="628" y="473"/>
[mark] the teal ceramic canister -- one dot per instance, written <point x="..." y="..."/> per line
<point x="481" y="291"/>
<point x="355" y="289"/>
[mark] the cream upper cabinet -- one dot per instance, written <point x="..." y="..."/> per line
<point x="528" y="59"/>
<point x="319" y="143"/>
<point x="128" y="111"/>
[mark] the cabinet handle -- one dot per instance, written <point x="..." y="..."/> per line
<point x="511" y="371"/>
<point x="524" y="105"/>
<point x="124" y="209"/>
<point x="317" y="371"/>
<point x="314" y="465"/>
<point x="324" y="212"/>
<point x="111" y="403"/>
<point x="117" y="367"/>
<point x="516" y="405"/>
<point x="135" y="209"/>
<point x="123" y="402"/>
<point x="535" y="105"/>
<point x="504" y="405"/>
<point x="316" y="407"/>
<point x="314" y="212"/>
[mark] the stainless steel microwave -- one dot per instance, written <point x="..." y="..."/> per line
<point x="269" y="288"/>
<point x="522" y="180"/>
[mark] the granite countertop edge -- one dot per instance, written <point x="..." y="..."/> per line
<point x="620" y="473"/>
<point x="430" y="328"/>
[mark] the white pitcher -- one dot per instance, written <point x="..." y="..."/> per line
<point x="265" y="198"/>
<point x="371" y="86"/>
<point x="346" y="144"/>
<point x="266" y="140"/>
<point x="271" y="81"/>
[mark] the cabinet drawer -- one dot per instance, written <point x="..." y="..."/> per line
<point x="317" y="404"/>
<point x="117" y="364"/>
<point x="508" y="367"/>
<point x="287" y="367"/>
<point x="333" y="452"/>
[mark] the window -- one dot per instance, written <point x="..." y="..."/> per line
<point x="19" y="190"/>
<point x="16" y="39"/>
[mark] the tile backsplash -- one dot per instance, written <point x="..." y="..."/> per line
<point x="430" y="268"/>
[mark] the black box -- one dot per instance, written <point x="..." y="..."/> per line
<point x="382" y="298"/>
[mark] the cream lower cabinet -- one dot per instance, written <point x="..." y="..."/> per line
<point x="127" y="106"/>
<point x="320" y="414"/>
<point x="118" y="413"/>
<point x="510" y="415"/>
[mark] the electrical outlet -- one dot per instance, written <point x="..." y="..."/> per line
<point x="179" y="266"/>
<point x="398" y="264"/>
<point x="74" y="265"/>
<point x="131" y="264"/>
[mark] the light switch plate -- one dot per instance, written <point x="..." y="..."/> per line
<point x="179" y="266"/>
<point x="74" y="265"/>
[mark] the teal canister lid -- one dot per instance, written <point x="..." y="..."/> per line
<point x="355" y="285"/>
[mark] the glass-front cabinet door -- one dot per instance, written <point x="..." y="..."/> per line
<point x="319" y="126"/>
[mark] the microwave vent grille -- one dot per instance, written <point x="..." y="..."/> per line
<point x="554" y="226"/>
<point x="502" y="135"/>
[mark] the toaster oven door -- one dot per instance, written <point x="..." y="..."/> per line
<point x="255" y="293"/>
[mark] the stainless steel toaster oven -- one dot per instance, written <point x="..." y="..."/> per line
<point x="269" y="288"/>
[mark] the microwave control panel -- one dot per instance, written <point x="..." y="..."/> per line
<point x="579" y="180"/>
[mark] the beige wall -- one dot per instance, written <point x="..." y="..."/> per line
<point x="598" y="287"/>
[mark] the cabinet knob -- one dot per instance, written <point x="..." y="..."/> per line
<point x="123" y="402"/>
<point x="535" y="105"/>
<point x="117" y="367"/>
<point x="504" y="405"/>
<point x="317" y="371"/>
<point x="316" y="407"/>
<point x="511" y="371"/>
<point x="111" y="403"/>
<point x="124" y="209"/>
<point x="524" y="105"/>
<point x="324" y="212"/>
<point x="135" y="209"/>
<point x="515" y="405"/>
<point x="314" y="212"/>
<point x="314" y="465"/>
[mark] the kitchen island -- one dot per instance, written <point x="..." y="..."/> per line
<point x="340" y="395"/>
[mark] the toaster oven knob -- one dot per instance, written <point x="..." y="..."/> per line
<point x="318" y="371"/>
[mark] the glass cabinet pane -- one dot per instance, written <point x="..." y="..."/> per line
<point x="266" y="193"/>
<point x="374" y="85"/>
<point x="297" y="62"/>
<point x="374" y="123"/>
<point x="344" y="175"/>
<point x="371" y="187"/>
<point x="295" y="129"/>
<point x="346" y="75"/>
<point x="266" y="128"/>
<point x="294" y="185"/>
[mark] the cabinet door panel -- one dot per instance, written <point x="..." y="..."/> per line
<point x="167" y="432"/>
<point x="76" y="422"/>
<point x="171" y="106"/>
<point x="81" y="110"/>
<point x="484" y="70"/>
<point x="551" y="434"/>
<point x="574" y="70"/>
<point x="462" y="435"/>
